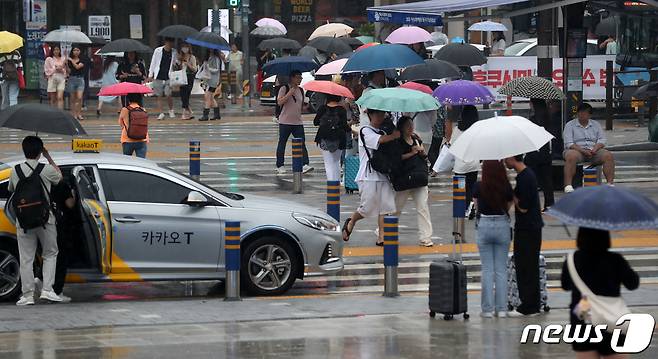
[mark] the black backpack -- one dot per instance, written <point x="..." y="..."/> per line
<point x="387" y="158"/>
<point x="30" y="200"/>
<point x="279" y="108"/>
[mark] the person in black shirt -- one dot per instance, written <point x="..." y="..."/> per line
<point x="131" y="69"/>
<point x="68" y="224"/>
<point x="541" y="161"/>
<point x="332" y="134"/>
<point x="603" y="272"/>
<point x="527" y="235"/>
<point x="78" y="68"/>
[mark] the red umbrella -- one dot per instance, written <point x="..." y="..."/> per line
<point x="418" y="87"/>
<point x="328" y="87"/>
<point x="124" y="88"/>
<point x="367" y="46"/>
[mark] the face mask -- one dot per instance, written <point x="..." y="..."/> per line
<point x="185" y="50"/>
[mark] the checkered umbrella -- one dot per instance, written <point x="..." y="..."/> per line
<point x="532" y="87"/>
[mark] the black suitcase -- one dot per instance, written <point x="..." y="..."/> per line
<point x="447" y="292"/>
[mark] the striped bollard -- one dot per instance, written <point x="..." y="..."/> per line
<point x="195" y="159"/>
<point x="333" y="199"/>
<point x="590" y="177"/>
<point x="297" y="164"/>
<point x="232" y="260"/>
<point x="391" y="256"/>
<point x="458" y="210"/>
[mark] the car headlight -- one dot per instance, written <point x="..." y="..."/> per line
<point x="315" y="222"/>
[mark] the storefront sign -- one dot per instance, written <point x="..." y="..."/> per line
<point x="136" y="27"/>
<point x="36" y="20"/>
<point x="404" y="18"/>
<point x="301" y="11"/>
<point x="100" y="26"/>
<point x="501" y="70"/>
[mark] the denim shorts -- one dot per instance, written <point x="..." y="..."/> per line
<point x="76" y="84"/>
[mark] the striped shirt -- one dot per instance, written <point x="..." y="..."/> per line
<point x="16" y="56"/>
<point x="586" y="137"/>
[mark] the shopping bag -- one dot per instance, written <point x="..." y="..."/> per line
<point x="203" y="73"/>
<point x="21" y="79"/>
<point x="445" y="162"/>
<point x="178" y="78"/>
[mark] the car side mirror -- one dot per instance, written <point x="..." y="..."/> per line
<point x="196" y="199"/>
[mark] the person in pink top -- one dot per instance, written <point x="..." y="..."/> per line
<point x="291" y="100"/>
<point x="55" y="70"/>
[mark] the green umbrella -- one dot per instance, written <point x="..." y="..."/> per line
<point x="366" y="39"/>
<point x="398" y="99"/>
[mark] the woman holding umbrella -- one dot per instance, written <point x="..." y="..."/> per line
<point x="131" y="69"/>
<point x="210" y="69"/>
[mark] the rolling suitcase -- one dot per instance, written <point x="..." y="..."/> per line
<point x="447" y="289"/>
<point x="513" y="299"/>
<point x="351" y="169"/>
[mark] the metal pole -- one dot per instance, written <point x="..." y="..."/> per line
<point x="652" y="100"/>
<point x="297" y="164"/>
<point x="609" y="88"/>
<point x="195" y="159"/>
<point x="590" y="177"/>
<point x="458" y="212"/>
<point x="333" y="199"/>
<point x="391" y="256"/>
<point x="232" y="261"/>
<point x="246" y="99"/>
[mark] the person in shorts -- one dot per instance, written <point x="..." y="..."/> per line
<point x="55" y="69"/>
<point x="162" y="64"/>
<point x="377" y="193"/>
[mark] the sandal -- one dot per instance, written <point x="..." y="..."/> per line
<point x="347" y="233"/>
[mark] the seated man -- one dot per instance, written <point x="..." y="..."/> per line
<point x="584" y="140"/>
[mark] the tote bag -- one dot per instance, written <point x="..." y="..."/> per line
<point x="445" y="162"/>
<point x="203" y="73"/>
<point x="178" y="78"/>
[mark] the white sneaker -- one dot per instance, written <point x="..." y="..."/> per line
<point x="307" y="169"/>
<point x="568" y="189"/>
<point x="515" y="314"/>
<point x="486" y="315"/>
<point x="426" y="243"/>
<point x="65" y="299"/>
<point x="50" y="296"/>
<point x="501" y="314"/>
<point x="172" y="114"/>
<point x="38" y="286"/>
<point x="280" y="170"/>
<point x="23" y="301"/>
<point x="161" y="116"/>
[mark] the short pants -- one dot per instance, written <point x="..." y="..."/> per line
<point x="377" y="198"/>
<point x="57" y="83"/>
<point x="76" y="84"/>
<point x="161" y="88"/>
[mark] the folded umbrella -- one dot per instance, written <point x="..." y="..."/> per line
<point x="267" y="31"/>
<point x="67" y="35"/>
<point x="431" y="70"/>
<point x="40" y="118"/>
<point x="269" y="22"/>
<point x="124" y="88"/>
<point x="328" y="87"/>
<point x="124" y="45"/>
<point x="606" y="208"/>
<point x="330" y="45"/>
<point x="463" y="92"/>
<point x="461" y="54"/>
<point x="382" y="57"/>
<point x="418" y="87"/>
<point x="209" y="40"/>
<point x="396" y="99"/>
<point x="498" y="138"/>
<point x="9" y="42"/>
<point x="532" y="87"/>
<point x="177" y="31"/>
<point x="288" y="64"/>
<point x="332" y="68"/>
<point x="409" y="35"/>
<point x="331" y="30"/>
<point x="487" y="26"/>
<point x="280" y="43"/>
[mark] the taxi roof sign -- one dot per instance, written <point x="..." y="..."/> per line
<point x="80" y="145"/>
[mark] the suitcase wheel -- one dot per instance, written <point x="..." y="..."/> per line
<point x="547" y="308"/>
<point x="447" y="317"/>
<point x="432" y="314"/>
<point x="466" y="316"/>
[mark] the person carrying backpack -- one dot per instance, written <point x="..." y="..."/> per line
<point x="30" y="183"/>
<point x="133" y="120"/>
<point x="11" y="69"/>
<point x="332" y="134"/>
<point x="290" y="99"/>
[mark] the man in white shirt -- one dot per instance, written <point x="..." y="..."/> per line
<point x="375" y="189"/>
<point x="162" y="63"/>
<point x="46" y="235"/>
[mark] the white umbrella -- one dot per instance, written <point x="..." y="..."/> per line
<point x="498" y="138"/>
<point x="67" y="35"/>
<point x="487" y="26"/>
<point x="331" y="30"/>
<point x="266" y="21"/>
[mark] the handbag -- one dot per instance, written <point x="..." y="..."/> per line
<point x="178" y="78"/>
<point x="203" y="73"/>
<point x="597" y="309"/>
<point x="446" y="160"/>
<point x="21" y="79"/>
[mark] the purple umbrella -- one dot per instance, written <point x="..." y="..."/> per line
<point x="408" y="35"/>
<point x="463" y="92"/>
<point x="266" y="21"/>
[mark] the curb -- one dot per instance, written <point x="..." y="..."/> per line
<point x="638" y="146"/>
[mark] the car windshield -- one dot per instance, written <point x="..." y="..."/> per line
<point x="515" y="48"/>
<point x="229" y="195"/>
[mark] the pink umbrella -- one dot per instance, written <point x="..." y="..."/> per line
<point x="365" y="46"/>
<point x="409" y="35"/>
<point x="124" y="88"/>
<point x="328" y="87"/>
<point x="418" y="87"/>
<point x="332" y="68"/>
<point x="266" y="21"/>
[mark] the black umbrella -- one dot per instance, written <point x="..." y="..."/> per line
<point x="308" y="51"/>
<point x="95" y="40"/>
<point x="209" y="40"/>
<point x="125" y="45"/>
<point x="330" y="45"/>
<point x="431" y="70"/>
<point x="40" y="118"/>
<point x="280" y="43"/>
<point x="177" y="31"/>
<point x="607" y="26"/>
<point x="461" y="55"/>
<point x="647" y="90"/>
<point x="353" y="42"/>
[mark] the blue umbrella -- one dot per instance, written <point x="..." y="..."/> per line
<point x="382" y="57"/>
<point x="606" y="208"/>
<point x="288" y="64"/>
<point x="209" y="40"/>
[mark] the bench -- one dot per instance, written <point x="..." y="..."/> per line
<point x="577" y="181"/>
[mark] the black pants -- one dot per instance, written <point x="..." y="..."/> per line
<point x="527" y="243"/>
<point x="435" y="148"/>
<point x="297" y="131"/>
<point x="186" y="91"/>
<point x="545" y="178"/>
<point x="64" y="244"/>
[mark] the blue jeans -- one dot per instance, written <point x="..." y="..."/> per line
<point x="9" y="91"/>
<point x="139" y="148"/>
<point x="297" y="131"/>
<point x="493" y="239"/>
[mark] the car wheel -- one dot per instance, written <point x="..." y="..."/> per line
<point x="10" y="276"/>
<point x="269" y="266"/>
